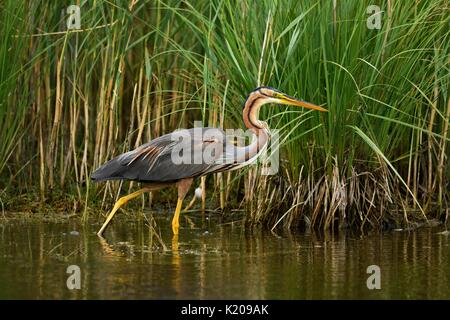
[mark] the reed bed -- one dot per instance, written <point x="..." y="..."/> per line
<point x="72" y="99"/>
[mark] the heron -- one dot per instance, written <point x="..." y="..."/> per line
<point x="152" y="164"/>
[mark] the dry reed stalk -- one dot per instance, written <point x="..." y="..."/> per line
<point x="84" y="162"/>
<point x="113" y="110"/>
<point x="158" y="128"/>
<point x="132" y="116"/>
<point x="100" y="114"/>
<point x="131" y="130"/>
<point x="53" y="143"/>
<point x="184" y="98"/>
<point x="73" y="115"/>
<point x="431" y="139"/>
<point x="107" y="115"/>
<point x="73" y="128"/>
<point x="139" y="104"/>
<point x="142" y="114"/>
<point x="410" y="165"/>
<point x="416" y="167"/>
<point x="147" y="118"/>
<point x="172" y="123"/>
<point x="216" y="121"/>
<point x="84" y="159"/>
<point x="40" y="113"/>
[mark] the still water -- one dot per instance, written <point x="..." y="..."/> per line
<point x="214" y="260"/>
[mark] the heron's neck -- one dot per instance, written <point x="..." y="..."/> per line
<point x="258" y="127"/>
<point x="251" y="114"/>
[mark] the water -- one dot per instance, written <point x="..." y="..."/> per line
<point x="216" y="261"/>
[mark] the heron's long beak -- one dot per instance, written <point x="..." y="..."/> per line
<point x="285" y="99"/>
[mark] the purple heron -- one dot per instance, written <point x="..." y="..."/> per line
<point x="153" y="165"/>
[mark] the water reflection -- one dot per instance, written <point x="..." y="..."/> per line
<point x="216" y="262"/>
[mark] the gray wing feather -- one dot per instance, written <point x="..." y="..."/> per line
<point x="153" y="161"/>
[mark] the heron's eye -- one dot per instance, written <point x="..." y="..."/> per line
<point x="278" y="95"/>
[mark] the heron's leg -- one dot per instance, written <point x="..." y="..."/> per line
<point x="183" y="188"/>
<point x="118" y="204"/>
<point x="190" y="204"/>
<point x="198" y="194"/>
<point x="176" y="217"/>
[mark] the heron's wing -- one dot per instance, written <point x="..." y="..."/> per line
<point x="181" y="154"/>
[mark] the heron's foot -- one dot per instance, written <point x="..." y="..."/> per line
<point x="117" y="205"/>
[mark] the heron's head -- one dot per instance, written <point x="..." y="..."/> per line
<point x="272" y="95"/>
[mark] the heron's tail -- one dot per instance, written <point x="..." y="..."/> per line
<point x="111" y="170"/>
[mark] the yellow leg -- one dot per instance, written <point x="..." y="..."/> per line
<point x="190" y="204"/>
<point x="118" y="204"/>
<point x="176" y="217"/>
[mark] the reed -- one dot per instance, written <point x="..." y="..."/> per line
<point x="70" y="100"/>
<point x="12" y="98"/>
